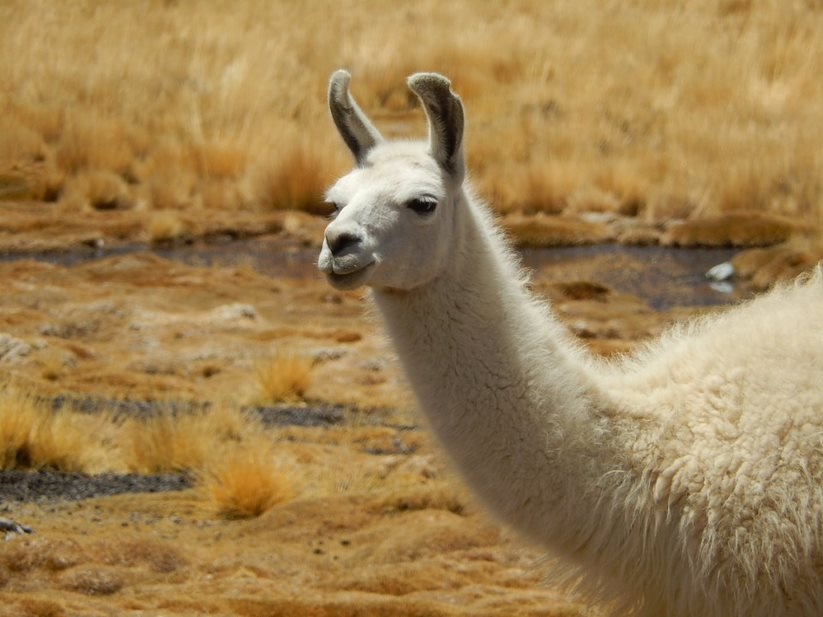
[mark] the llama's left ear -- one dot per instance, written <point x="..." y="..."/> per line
<point x="445" y="112"/>
<point x="355" y="128"/>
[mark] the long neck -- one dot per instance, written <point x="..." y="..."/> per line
<point x="508" y="395"/>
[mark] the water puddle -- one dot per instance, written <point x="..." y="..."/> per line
<point x="663" y="277"/>
<point x="273" y="255"/>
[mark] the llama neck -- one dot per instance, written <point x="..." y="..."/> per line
<point x="507" y="394"/>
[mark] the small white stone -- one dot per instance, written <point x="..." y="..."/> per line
<point x="721" y="272"/>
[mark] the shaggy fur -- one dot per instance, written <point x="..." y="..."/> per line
<point x="685" y="481"/>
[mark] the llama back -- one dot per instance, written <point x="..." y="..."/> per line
<point x="770" y="345"/>
<point x="738" y="462"/>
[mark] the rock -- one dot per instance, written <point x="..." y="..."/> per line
<point x="13" y="529"/>
<point x="12" y="349"/>
<point x="721" y="272"/>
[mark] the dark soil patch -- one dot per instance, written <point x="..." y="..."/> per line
<point x="309" y="415"/>
<point x="301" y="416"/>
<point x="50" y="485"/>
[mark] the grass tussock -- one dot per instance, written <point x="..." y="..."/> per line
<point x="662" y="110"/>
<point x="247" y="483"/>
<point x="228" y="451"/>
<point x="283" y="377"/>
<point x="185" y="441"/>
<point x="295" y="180"/>
<point x="96" y="190"/>
<point x="165" y="443"/>
<point x="32" y="436"/>
<point x="164" y="226"/>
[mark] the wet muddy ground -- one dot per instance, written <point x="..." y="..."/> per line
<point x="378" y="524"/>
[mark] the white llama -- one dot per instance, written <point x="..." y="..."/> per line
<point x="686" y="481"/>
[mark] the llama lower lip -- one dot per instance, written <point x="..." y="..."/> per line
<point x="348" y="280"/>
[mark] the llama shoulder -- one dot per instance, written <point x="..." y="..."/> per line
<point x="761" y="353"/>
<point x="735" y="399"/>
<point x="736" y="452"/>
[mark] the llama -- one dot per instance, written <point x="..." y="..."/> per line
<point x="685" y="480"/>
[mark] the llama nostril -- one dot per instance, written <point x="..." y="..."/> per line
<point x="339" y="242"/>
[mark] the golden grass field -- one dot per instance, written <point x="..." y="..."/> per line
<point x="660" y="111"/>
<point x="159" y="122"/>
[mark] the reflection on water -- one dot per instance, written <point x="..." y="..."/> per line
<point x="664" y="277"/>
<point x="272" y="255"/>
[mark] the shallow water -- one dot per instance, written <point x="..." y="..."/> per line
<point x="663" y="277"/>
<point x="272" y="255"/>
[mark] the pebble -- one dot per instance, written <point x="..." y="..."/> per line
<point x="721" y="272"/>
<point x="13" y="529"/>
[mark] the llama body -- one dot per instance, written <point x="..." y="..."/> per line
<point x="685" y="481"/>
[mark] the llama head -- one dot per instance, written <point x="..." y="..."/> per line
<point x="393" y="226"/>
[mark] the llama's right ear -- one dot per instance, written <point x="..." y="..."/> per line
<point x="445" y="112"/>
<point x="358" y="133"/>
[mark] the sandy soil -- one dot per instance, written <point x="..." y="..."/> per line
<point x="379" y="525"/>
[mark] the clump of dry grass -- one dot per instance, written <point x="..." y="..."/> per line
<point x="164" y="226"/>
<point x="220" y="161"/>
<point x="88" y="142"/>
<point x="96" y="190"/>
<point x="53" y="365"/>
<point x="295" y="180"/>
<point x="283" y="377"/>
<point x="742" y="228"/>
<point x="20" y="144"/>
<point x="184" y="441"/>
<point x="227" y="450"/>
<point x="247" y="483"/>
<point x="32" y="436"/>
<point x="165" y="443"/>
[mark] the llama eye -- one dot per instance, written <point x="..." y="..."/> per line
<point x="333" y="209"/>
<point x="422" y="206"/>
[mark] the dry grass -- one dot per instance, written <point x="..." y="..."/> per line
<point x="294" y="181"/>
<point x="541" y="230"/>
<point x="227" y="451"/>
<point x="247" y="482"/>
<point x="165" y="443"/>
<point x="33" y="436"/>
<point x="666" y="109"/>
<point x="283" y="377"/>
<point x="164" y="226"/>
<point x="185" y="441"/>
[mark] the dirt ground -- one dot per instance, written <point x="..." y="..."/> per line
<point x="378" y="524"/>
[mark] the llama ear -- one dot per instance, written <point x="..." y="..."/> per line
<point x="355" y="128"/>
<point x="445" y="112"/>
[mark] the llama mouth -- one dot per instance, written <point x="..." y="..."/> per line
<point x="349" y="280"/>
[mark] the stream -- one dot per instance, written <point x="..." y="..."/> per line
<point x="663" y="277"/>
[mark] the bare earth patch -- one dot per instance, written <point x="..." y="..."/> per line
<point x="373" y="520"/>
